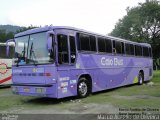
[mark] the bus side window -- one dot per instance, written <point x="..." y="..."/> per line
<point x="150" y="52"/>
<point x="119" y="46"/>
<point x="108" y="43"/>
<point x="145" y="52"/>
<point x="138" y="50"/>
<point x="84" y="42"/>
<point x="101" y="44"/>
<point x="114" y="49"/>
<point x="62" y="49"/>
<point x="72" y="49"/>
<point x="129" y="49"/>
<point x="132" y="49"/>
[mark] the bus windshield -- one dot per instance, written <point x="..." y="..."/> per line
<point x="32" y="49"/>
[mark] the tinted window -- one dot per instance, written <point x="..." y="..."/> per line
<point x="108" y="47"/>
<point x="87" y="42"/>
<point x="122" y="49"/>
<point x="138" y="50"/>
<point x="101" y="45"/>
<point x="72" y="49"/>
<point x="150" y="52"/>
<point x="92" y="43"/>
<point x="72" y="44"/>
<point x="119" y="47"/>
<point x="129" y="49"/>
<point x="62" y="49"/>
<point x="3" y="52"/>
<point x="132" y="49"/>
<point x="145" y="52"/>
<point x="84" y="42"/>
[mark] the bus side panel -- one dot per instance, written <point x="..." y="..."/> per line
<point x="111" y="72"/>
<point x="116" y="73"/>
<point x="104" y="75"/>
<point x="65" y="89"/>
<point x="5" y="71"/>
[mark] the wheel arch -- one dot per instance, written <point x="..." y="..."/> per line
<point x="142" y="71"/>
<point x="89" y="79"/>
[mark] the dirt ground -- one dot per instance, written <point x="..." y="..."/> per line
<point x="70" y="105"/>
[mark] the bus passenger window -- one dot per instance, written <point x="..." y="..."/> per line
<point x="84" y="42"/>
<point x="72" y="49"/>
<point x="150" y="52"/>
<point x="114" y="49"/>
<point x="93" y="43"/>
<point x="145" y="52"/>
<point x="129" y="49"/>
<point x="138" y="50"/>
<point x="108" y="45"/>
<point x="62" y="49"/>
<point x="119" y="46"/>
<point x="127" y="46"/>
<point x="132" y="49"/>
<point x="101" y="45"/>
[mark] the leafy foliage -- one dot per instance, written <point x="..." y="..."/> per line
<point x="25" y="28"/>
<point x="142" y="24"/>
<point x="5" y="35"/>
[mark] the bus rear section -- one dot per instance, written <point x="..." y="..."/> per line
<point x="5" y="65"/>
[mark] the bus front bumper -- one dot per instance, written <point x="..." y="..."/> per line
<point x="36" y="90"/>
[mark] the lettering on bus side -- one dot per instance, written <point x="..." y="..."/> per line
<point x="111" y="61"/>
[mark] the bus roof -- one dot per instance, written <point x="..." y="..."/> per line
<point x="47" y="28"/>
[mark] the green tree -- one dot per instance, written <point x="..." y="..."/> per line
<point x="5" y="36"/>
<point x="22" y="29"/>
<point x="2" y="35"/>
<point x="6" y="33"/>
<point x="142" y="24"/>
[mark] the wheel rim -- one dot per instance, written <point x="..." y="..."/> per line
<point x="82" y="88"/>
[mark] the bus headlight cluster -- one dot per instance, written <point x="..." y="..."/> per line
<point x="15" y="89"/>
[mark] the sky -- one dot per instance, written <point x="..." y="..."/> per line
<point x="98" y="16"/>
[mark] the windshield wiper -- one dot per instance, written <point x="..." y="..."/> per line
<point x="23" y="55"/>
<point x="32" y="52"/>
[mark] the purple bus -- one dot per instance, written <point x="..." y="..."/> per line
<point x="58" y="62"/>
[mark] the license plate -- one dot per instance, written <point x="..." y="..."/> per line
<point x="26" y="89"/>
<point x="40" y="90"/>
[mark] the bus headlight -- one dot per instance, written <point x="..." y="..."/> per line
<point x="15" y="89"/>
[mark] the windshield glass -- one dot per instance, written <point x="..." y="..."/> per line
<point x="32" y="49"/>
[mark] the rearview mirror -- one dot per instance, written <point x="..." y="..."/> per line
<point x="49" y="39"/>
<point x="9" y="42"/>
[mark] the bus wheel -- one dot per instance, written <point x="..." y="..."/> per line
<point x="140" y="78"/>
<point x="83" y="88"/>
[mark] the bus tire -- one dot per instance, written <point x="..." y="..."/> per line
<point x="83" y="89"/>
<point x="140" y="78"/>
